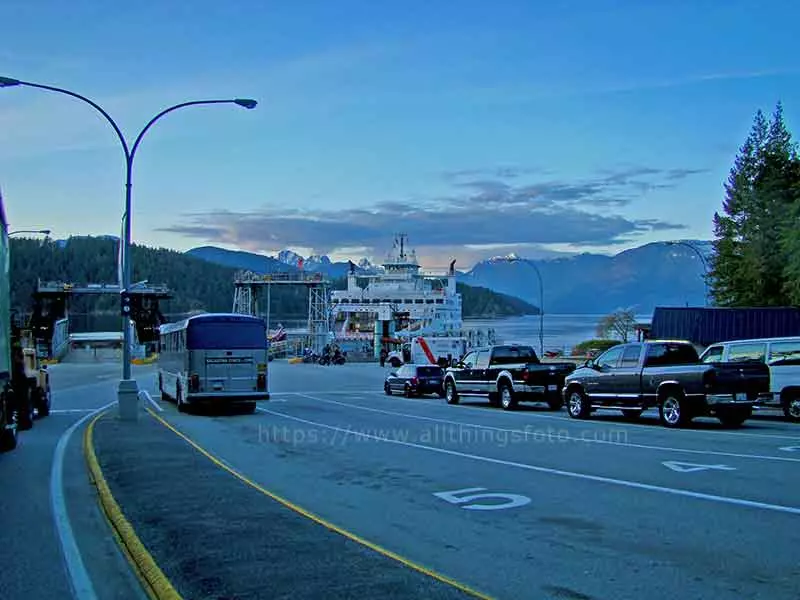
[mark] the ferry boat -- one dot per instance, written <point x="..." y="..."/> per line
<point x="397" y="304"/>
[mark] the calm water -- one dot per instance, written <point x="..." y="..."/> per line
<point x="561" y="332"/>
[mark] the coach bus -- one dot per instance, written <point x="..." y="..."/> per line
<point x="214" y="358"/>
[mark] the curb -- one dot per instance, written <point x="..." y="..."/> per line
<point x="153" y="580"/>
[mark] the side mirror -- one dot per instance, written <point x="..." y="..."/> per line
<point x="589" y="364"/>
<point x="393" y="374"/>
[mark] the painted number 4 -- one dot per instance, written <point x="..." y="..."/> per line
<point x="469" y="498"/>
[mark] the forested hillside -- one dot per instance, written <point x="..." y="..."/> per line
<point x="196" y="284"/>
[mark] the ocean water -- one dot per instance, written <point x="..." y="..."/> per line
<point x="561" y="332"/>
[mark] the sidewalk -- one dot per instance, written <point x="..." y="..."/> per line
<point x="215" y="537"/>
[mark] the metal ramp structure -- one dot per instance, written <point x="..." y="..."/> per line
<point x="49" y="320"/>
<point x="248" y="287"/>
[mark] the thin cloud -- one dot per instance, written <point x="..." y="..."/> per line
<point x="486" y="214"/>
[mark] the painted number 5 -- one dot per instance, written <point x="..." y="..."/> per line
<point x="469" y="495"/>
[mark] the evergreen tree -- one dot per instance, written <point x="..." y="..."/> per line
<point x="751" y="265"/>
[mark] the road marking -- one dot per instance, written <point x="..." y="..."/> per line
<point x="685" y="467"/>
<point x="79" y="578"/>
<point x="511" y="500"/>
<point x="69" y="411"/>
<point x="149" y="398"/>
<point x="319" y="520"/>
<point x="591" y="422"/>
<point x="572" y="474"/>
<point x="790" y="448"/>
<point x="526" y="433"/>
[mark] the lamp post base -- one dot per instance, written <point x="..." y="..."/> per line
<point x="128" y="399"/>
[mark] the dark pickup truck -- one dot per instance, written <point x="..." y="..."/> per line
<point x="507" y="375"/>
<point x="669" y="375"/>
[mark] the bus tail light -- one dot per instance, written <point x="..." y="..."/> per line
<point x="194" y="383"/>
<point x="261" y="382"/>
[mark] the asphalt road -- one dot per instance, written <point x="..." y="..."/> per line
<point x="585" y="509"/>
<point x="34" y="566"/>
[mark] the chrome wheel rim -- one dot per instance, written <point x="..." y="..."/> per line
<point x="449" y="391"/>
<point x="671" y="409"/>
<point x="575" y="403"/>
<point x="794" y="408"/>
<point x="505" y="395"/>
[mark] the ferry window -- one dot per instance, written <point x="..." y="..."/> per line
<point x="429" y="301"/>
<point x="747" y="352"/>
<point x="713" y="354"/>
<point x="785" y="353"/>
<point x="439" y="301"/>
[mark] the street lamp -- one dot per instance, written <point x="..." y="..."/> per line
<point x="702" y="260"/>
<point x="33" y="231"/>
<point x="128" y="392"/>
<point x="541" y="300"/>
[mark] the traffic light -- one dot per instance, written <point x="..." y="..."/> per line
<point x="125" y="304"/>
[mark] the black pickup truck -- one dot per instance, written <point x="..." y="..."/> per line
<point x="667" y="375"/>
<point x="507" y="375"/>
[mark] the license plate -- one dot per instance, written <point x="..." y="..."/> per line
<point x="741" y="397"/>
<point x="552" y="388"/>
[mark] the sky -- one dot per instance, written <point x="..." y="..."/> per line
<point x="477" y="128"/>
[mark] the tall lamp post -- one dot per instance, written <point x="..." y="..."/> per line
<point x="702" y="260"/>
<point x="128" y="391"/>
<point x="541" y="300"/>
<point x="32" y="231"/>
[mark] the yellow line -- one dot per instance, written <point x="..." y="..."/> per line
<point x="321" y="521"/>
<point x="155" y="583"/>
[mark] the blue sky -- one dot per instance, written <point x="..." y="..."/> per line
<point x="478" y="128"/>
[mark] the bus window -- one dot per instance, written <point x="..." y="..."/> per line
<point x="216" y="335"/>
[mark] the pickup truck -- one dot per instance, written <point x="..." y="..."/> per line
<point x="782" y="357"/>
<point x="506" y="375"/>
<point x="668" y="375"/>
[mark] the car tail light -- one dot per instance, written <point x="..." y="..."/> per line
<point x="194" y="383"/>
<point x="261" y="382"/>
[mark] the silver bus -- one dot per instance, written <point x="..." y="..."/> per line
<point x="214" y="358"/>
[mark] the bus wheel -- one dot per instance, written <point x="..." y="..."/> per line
<point x="179" y="399"/>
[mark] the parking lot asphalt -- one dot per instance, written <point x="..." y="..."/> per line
<point x="523" y="504"/>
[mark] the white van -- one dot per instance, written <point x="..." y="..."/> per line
<point x="782" y="356"/>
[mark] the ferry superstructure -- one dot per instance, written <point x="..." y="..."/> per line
<point x="400" y="302"/>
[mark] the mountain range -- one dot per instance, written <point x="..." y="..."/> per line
<point x="655" y="274"/>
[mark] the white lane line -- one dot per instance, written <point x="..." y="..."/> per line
<point x="593" y="422"/>
<point x="572" y="474"/>
<point x="79" y="578"/>
<point x="152" y="402"/>
<point x="336" y="392"/>
<point x="69" y="411"/>
<point x="529" y="433"/>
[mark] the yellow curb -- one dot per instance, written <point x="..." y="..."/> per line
<point x="321" y="521"/>
<point x="153" y="580"/>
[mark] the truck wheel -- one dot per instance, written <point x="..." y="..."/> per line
<point x="791" y="407"/>
<point x="734" y="417"/>
<point x="8" y="427"/>
<point x="25" y="410"/>
<point x="507" y="399"/>
<point x="43" y="401"/>
<point x="387" y="389"/>
<point x="450" y="393"/>
<point x="578" y="405"/>
<point x="673" y="410"/>
<point x="407" y="391"/>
